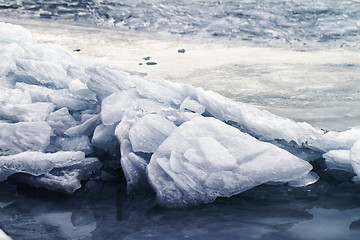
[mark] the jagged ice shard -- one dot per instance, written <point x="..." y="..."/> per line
<point x="205" y="158"/>
<point x="62" y="120"/>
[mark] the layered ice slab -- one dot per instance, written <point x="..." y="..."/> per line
<point x="341" y="149"/>
<point x="62" y="119"/>
<point x="205" y="158"/>
<point x="61" y="171"/>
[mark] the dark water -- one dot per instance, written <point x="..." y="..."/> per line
<point x="102" y="210"/>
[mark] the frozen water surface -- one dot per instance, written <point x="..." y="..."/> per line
<point x="103" y="141"/>
<point x="325" y="210"/>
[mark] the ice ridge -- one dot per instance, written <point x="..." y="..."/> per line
<point x="64" y="120"/>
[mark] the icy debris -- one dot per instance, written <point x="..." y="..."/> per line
<point x="259" y="123"/>
<point x="149" y="132"/>
<point x="309" y="179"/>
<point x="24" y="136"/>
<point x="338" y="159"/>
<point x="104" y="138"/>
<point x="40" y="72"/>
<point x="340" y="148"/>
<point x="28" y="112"/>
<point x="66" y="179"/>
<point x="85" y="128"/>
<point x="114" y="107"/>
<point x="106" y="80"/>
<point x="134" y="168"/>
<point x="37" y="163"/>
<point x="80" y="89"/>
<point x="132" y="165"/>
<point x="14" y="96"/>
<point x="160" y="91"/>
<point x="81" y="143"/>
<point x="123" y="128"/>
<point x="205" y="158"/>
<point x="191" y="105"/>
<point x="336" y="140"/>
<point x="60" y="121"/>
<point x="53" y="104"/>
<point x="60" y="97"/>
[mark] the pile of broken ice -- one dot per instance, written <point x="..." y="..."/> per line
<point x="63" y="119"/>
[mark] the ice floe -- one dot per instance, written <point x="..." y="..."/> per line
<point x="64" y="120"/>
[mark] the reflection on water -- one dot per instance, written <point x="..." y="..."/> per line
<point x="325" y="210"/>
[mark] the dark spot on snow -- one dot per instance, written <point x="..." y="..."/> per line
<point x="76" y="50"/>
<point x="181" y="51"/>
<point x="146" y="58"/>
<point x="151" y="63"/>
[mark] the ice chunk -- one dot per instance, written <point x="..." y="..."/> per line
<point x="78" y="88"/>
<point x="14" y="96"/>
<point x="60" y="121"/>
<point x="160" y="91"/>
<point x="310" y="178"/>
<point x="134" y="168"/>
<point x="28" y="112"/>
<point x="10" y="165"/>
<point x="60" y="97"/>
<point x="133" y="165"/>
<point x="149" y="132"/>
<point x="192" y="105"/>
<point x="206" y="158"/>
<point x="258" y="123"/>
<point x="66" y="180"/>
<point x="106" y="80"/>
<point x="37" y="163"/>
<point x="338" y="159"/>
<point x="114" y="107"/>
<point x="123" y="128"/>
<point x="355" y="157"/>
<point x="14" y="34"/>
<point x="40" y="72"/>
<point x="23" y="136"/>
<point x="81" y="143"/>
<point x="86" y="128"/>
<point x="336" y="140"/>
<point x="104" y="137"/>
<point x="189" y="109"/>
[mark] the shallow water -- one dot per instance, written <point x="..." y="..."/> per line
<point x="325" y="210"/>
